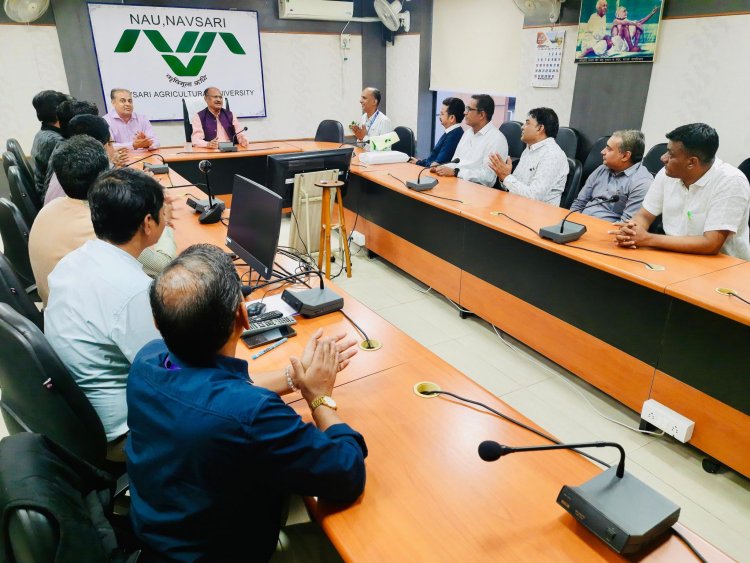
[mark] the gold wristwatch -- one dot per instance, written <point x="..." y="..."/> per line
<point x="324" y="400"/>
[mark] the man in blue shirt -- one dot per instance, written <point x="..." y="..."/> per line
<point x="212" y="455"/>
<point x="451" y="116"/>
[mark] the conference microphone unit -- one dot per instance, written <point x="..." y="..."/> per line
<point x="229" y="146"/>
<point x="567" y="231"/>
<point x="313" y="302"/>
<point x="619" y="509"/>
<point x="428" y="183"/>
<point x="210" y="210"/>
<point x="162" y="168"/>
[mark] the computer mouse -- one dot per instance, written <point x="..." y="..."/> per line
<point x="255" y="309"/>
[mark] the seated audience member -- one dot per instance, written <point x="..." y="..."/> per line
<point x="48" y="137"/>
<point x="451" y="116"/>
<point x="215" y="123"/>
<point x="373" y="121"/>
<point x="128" y="128"/>
<point x="65" y="224"/>
<point x="621" y="174"/>
<point x="98" y="315"/>
<point x="704" y="202"/>
<point x="93" y="126"/>
<point x="480" y="140"/>
<point x="212" y="454"/>
<point x="70" y="108"/>
<point x="543" y="168"/>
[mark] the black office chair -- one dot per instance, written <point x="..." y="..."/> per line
<point x="572" y="184"/>
<point x="745" y="168"/>
<point x="14" y="294"/>
<point x="330" y="131"/>
<point x="8" y="161"/>
<point x="594" y="158"/>
<point x="652" y="160"/>
<point x="55" y="506"/>
<point x="405" y="143"/>
<point x="512" y="132"/>
<point x="15" y="235"/>
<point x="22" y="162"/>
<point x="20" y="196"/>
<point x="39" y="395"/>
<point x="567" y="139"/>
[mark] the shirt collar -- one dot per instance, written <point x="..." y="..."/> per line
<point x="452" y="127"/>
<point x="48" y="127"/>
<point x="542" y="143"/>
<point x="708" y="176"/>
<point x="486" y="129"/>
<point x="105" y="246"/>
<point x="234" y="366"/>
<point x="114" y="115"/>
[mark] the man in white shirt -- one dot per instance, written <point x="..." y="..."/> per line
<point x="704" y="202"/>
<point x="480" y="140"/>
<point x="543" y="168"/>
<point x="98" y="315"/>
<point x="373" y="121"/>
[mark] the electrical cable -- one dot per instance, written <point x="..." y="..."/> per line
<point x="423" y="192"/>
<point x="690" y="546"/>
<point x="738" y="296"/>
<point x="357" y="327"/>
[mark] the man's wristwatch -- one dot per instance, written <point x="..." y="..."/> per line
<point x="325" y="401"/>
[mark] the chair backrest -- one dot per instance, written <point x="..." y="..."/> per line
<point x="405" y="142"/>
<point x="8" y="161"/>
<point x="20" y="197"/>
<point x="22" y="162"/>
<point x="39" y="395"/>
<point x="512" y="132"/>
<point x="567" y="138"/>
<point x="330" y="131"/>
<point x="745" y="168"/>
<point x="572" y="184"/>
<point x="594" y="158"/>
<point x="15" y="235"/>
<point x="652" y="160"/>
<point x="13" y="292"/>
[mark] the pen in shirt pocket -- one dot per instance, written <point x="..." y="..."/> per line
<point x="690" y="215"/>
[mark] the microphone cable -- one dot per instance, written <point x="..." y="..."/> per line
<point x="424" y="193"/>
<point x="738" y="296"/>
<point x="357" y="328"/>
<point x="690" y="546"/>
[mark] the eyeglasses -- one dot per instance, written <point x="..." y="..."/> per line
<point x="470" y="109"/>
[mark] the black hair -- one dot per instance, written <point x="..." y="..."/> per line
<point x="548" y="118"/>
<point x="120" y="200"/>
<point x="486" y="104"/>
<point x="68" y="109"/>
<point x="91" y="125"/>
<point x="194" y="302"/>
<point x="45" y="103"/>
<point x="77" y="162"/>
<point x="455" y="107"/>
<point x="699" y="140"/>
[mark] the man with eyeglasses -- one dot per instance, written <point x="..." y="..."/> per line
<point x="451" y="116"/>
<point x="480" y="140"/>
<point x="215" y="123"/>
<point x="129" y="129"/>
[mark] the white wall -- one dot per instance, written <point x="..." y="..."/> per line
<point x="31" y="61"/>
<point x="700" y="74"/>
<point x="559" y="99"/>
<point x="402" y="80"/>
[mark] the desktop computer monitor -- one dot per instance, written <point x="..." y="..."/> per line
<point x="254" y="224"/>
<point x="283" y="167"/>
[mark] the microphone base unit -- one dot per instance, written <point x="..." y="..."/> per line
<point x="570" y="232"/>
<point x="313" y="302"/>
<point x="212" y="214"/>
<point x="422" y="185"/>
<point x="624" y="513"/>
<point x="156" y="168"/>
<point x="227" y="146"/>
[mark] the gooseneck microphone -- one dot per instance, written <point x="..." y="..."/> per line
<point x="234" y="137"/>
<point x="564" y="231"/>
<point x="229" y="146"/>
<point x="162" y="168"/>
<point x="428" y="183"/>
<point x="210" y="210"/>
<point x="490" y="450"/>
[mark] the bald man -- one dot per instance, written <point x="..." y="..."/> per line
<point x="373" y="121"/>
<point x="215" y="123"/>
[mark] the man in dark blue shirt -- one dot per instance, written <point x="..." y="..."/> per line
<point x="451" y="116"/>
<point x="212" y="455"/>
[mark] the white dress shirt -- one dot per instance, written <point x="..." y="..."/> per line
<point x="541" y="172"/>
<point x="718" y="201"/>
<point x="97" y="319"/>
<point x="473" y="152"/>
<point x="377" y="124"/>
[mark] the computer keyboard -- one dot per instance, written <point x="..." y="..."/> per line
<point x="267" y="316"/>
<point x="262" y="326"/>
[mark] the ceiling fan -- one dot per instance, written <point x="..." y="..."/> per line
<point x="541" y="8"/>
<point x="392" y="16"/>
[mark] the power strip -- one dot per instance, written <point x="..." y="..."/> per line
<point x="358" y="238"/>
<point x="664" y="418"/>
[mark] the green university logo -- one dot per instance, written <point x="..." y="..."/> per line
<point x="190" y="43"/>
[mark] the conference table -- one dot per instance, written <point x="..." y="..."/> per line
<point x="428" y="495"/>
<point x="615" y="317"/>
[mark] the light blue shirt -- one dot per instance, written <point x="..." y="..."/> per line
<point x="97" y="319"/>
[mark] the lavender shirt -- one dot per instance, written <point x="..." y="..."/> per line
<point x="123" y="133"/>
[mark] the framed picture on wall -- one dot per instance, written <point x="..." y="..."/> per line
<point x="614" y="31"/>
